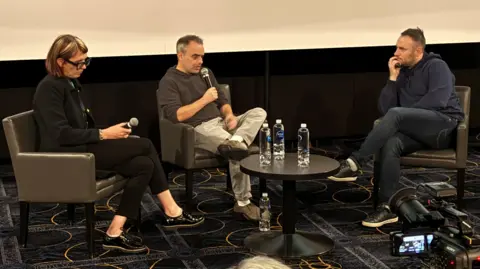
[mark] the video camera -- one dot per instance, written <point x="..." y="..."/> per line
<point x="429" y="234"/>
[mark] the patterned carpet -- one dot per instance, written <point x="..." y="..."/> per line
<point x="334" y="209"/>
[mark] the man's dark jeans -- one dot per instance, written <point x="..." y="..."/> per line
<point x="400" y="132"/>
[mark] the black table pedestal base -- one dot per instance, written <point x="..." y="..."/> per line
<point x="299" y="244"/>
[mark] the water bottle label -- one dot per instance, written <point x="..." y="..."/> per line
<point x="280" y="134"/>
<point x="266" y="215"/>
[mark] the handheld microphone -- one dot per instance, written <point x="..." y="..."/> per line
<point x="132" y="123"/>
<point x="206" y="76"/>
<point x="398" y="65"/>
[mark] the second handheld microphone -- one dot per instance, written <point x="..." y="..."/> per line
<point x="132" y="123"/>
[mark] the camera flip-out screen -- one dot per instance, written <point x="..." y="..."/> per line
<point x="406" y="245"/>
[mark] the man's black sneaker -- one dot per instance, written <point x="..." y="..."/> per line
<point x="183" y="221"/>
<point x="382" y="216"/>
<point x="345" y="174"/>
<point x="124" y="242"/>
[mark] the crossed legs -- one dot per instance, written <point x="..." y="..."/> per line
<point x="137" y="160"/>
<point x="213" y="134"/>
<point x="400" y="132"/>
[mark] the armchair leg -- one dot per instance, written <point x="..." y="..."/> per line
<point x="24" y="212"/>
<point x="139" y="219"/>
<point x="376" y="168"/>
<point x="229" y="180"/>
<point x="460" y="187"/>
<point x="189" y="188"/>
<point x="90" y="227"/>
<point x="71" y="213"/>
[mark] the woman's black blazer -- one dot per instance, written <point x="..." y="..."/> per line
<point x="64" y="125"/>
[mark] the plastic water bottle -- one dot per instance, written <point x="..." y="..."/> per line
<point x="303" y="146"/>
<point x="278" y="141"/>
<point x="265" y="215"/>
<point x="265" y="149"/>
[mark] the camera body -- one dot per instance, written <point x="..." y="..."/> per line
<point x="437" y="249"/>
<point x="429" y="235"/>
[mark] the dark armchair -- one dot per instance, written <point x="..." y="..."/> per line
<point x="178" y="148"/>
<point x="54" y="177"/>
<point x="452" y="158"/>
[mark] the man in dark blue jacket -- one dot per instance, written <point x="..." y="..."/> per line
<point x="420" y="110"/>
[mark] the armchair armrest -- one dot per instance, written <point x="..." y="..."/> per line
<point x="177" y="143"/>
<point x="56" y="177"/>
<point x="462" y="143"/>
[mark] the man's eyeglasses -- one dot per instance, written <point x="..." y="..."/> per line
<point x="79" y="65"/>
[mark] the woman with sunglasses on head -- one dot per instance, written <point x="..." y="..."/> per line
<point x="66" y="126"/>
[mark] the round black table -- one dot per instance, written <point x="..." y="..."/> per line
<point x="289" y="243"/>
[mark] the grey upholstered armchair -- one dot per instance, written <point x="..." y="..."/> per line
<point x="54" y="177"/>
<point x="452" y="158"/>
<point x="178" y="148"/>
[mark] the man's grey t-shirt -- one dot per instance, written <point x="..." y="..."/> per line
<point x="177" y="89"/>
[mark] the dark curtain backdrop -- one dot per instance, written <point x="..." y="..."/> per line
<point x="334" y="91"/>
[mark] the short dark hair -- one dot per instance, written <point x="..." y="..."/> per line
<point x="185" y="40"/>
<point x="416" y="34"/>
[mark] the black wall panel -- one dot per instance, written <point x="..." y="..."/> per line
<point x="334" y="91"/>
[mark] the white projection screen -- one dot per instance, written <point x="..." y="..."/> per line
<point x="150" y="27"/>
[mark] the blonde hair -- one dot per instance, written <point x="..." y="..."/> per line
<point x="65" y="47"/>
<point x="261" y="262"/>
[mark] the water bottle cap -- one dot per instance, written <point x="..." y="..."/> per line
<point x="303" y="125"/>
<point x="265" y="125"/>
<point x="278" y="121"/>
<point x="264" y="194"/>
